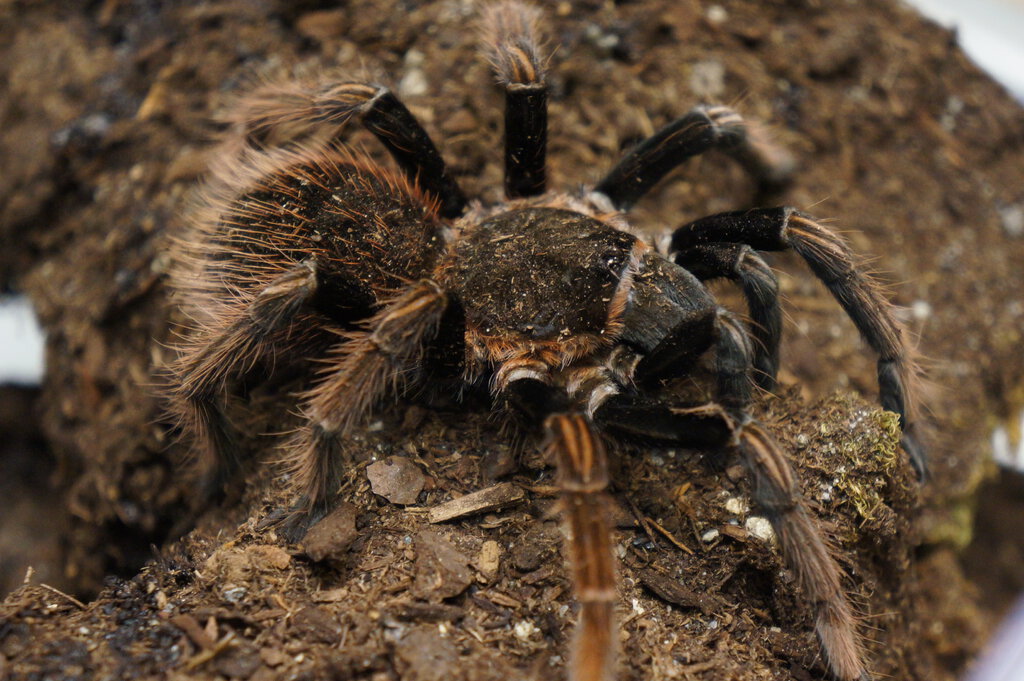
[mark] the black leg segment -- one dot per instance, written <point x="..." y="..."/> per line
<point x="510" y="42"/>
<point x="741" y="264"/>
<point x="395" y="126"/>
<point x="379" y="111"/>
<point x="642" y="168"/>
<point x="828" y="256"/>
<point x="526" y="121"/>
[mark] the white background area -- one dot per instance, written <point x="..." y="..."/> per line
<point x="990" y="31"/>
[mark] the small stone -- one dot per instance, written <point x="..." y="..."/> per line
<point x="524" y="630"/>
<point x="710" y="536"/>
<point x="413" y="84"/>
<point x="1012" y="217"/>
<point x="761" y="528"/>
<point x="235" y="594"/>
<point x="489" y="559"/>
<point x="716" y="14"/>
<point x="736" y="506"/>
<point x="707" y="79"/>
<point x="397" y="478"/>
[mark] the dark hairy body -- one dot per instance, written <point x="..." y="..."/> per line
<point x="550" y="300"/>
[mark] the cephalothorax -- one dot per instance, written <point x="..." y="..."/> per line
<point x="571" y="318"/>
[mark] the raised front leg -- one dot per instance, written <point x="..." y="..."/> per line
<point x="704" y="128"/>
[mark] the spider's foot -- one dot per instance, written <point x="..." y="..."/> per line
<point x="292" y="524"/>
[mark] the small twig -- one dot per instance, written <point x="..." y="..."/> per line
<point x="668" y="535"/>
<point x="644" y="521"/>
<point x="210" y="653"/>
<point x="80" y="604"/>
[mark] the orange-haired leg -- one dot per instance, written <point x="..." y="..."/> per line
<point x="583" y="477"/>
<point x="362" y="371"/>
<point x="226" y="352"/>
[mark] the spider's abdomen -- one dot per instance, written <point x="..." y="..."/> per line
<point x="367" y="231"/>
<point x="541" y="273"/>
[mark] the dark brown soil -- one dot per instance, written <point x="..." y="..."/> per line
<point x="105" y="124"/>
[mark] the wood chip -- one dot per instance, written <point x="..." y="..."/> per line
<point x="671" y="591"/>
<point x="734" y="531"/>
<point x="485" y="500"/>
<point x="426" y="612"/>
<point x="503" y="599"/>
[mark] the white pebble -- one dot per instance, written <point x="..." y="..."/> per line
<point x="524" y="630"/>
<point x="761" y="528"/>
<point x="710" y="536"/>
<point x="716" y="14"/>
<point x="1013" y="219"/>
<point x="736" y="506"/>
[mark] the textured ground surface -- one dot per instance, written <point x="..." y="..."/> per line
<point x="106" y="115"/>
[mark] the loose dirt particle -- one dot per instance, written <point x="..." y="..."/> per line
<point x="313" y="623"/>
<point x="442" y="571"/>
<point x="330" y="538"/>
<point x="424" y="655"/>
<point x="397" y="479"/>
<point x="489" y="560"/>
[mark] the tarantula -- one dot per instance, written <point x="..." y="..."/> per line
<point x="551" y="299"/>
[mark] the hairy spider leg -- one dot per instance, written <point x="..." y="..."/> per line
<point x="742" y="265"/>
<point x="360" y="371"/>
<point x="227" y="351"/>
<point x="527" y="387"/>
<point x="727" y="426"/>
<point x="583" y="478"/>
<point x="806" y="550"/>
<point x="380" y="112"/>
<point x="703" y="128"/>
<point x="827" y="255"/>
<point x="510" y="41"/>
